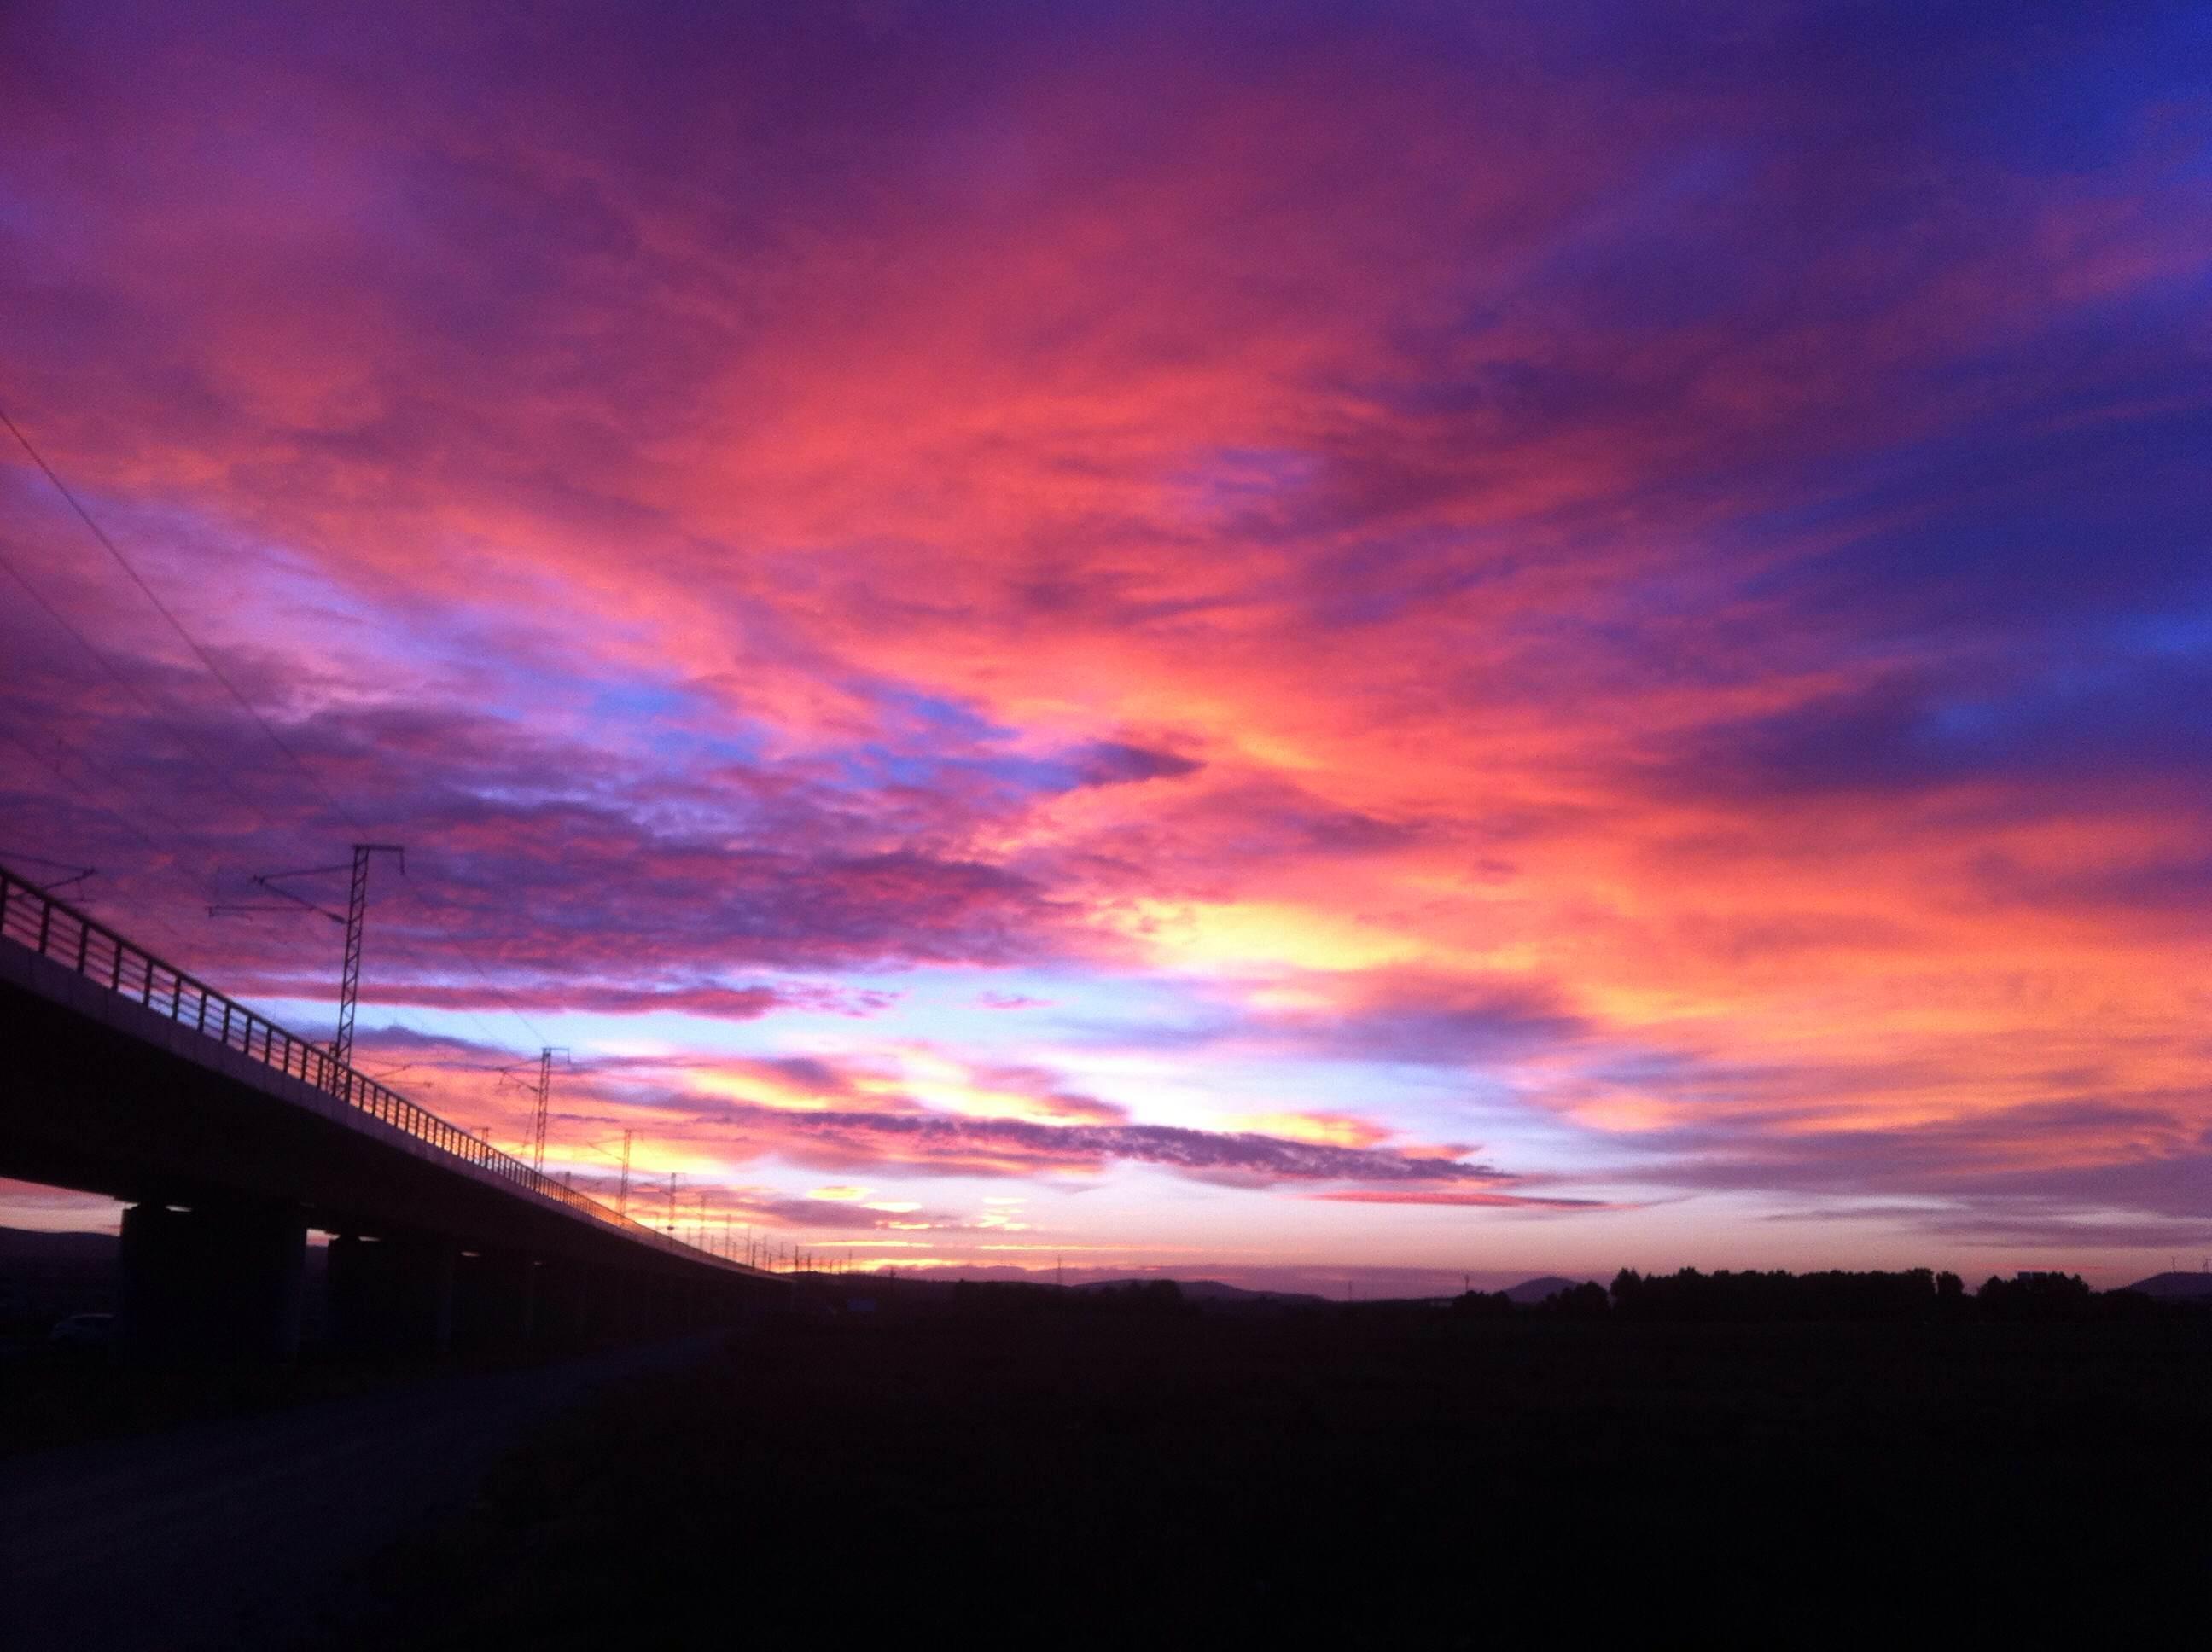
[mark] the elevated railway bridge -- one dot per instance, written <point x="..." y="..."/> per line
<point x="229" y="1138"/>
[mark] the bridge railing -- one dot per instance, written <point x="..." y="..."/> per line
<point x="56" y="930"/>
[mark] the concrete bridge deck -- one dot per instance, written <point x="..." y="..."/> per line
<point x="231" y="1136"/>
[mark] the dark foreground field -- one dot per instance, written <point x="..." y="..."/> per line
<point x="1070" y="1478"/>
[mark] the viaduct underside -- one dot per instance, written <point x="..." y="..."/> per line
<point x="227" y="1161"/>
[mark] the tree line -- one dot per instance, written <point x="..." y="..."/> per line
<point x="1911" y="1295"/>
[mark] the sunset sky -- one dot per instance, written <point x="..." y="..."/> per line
<point x="1319" y="644"/>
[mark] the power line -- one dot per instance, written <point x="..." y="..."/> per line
<point x="192" y="751"/>
<point x="104" y="773"/>
<point x="106" y="664"/>
<point x="175" y="624"/>
<point x="221" y="777"/>
<point x="78" y="873"/>
<point x="497" y="991"/>
<point x="349" y="986"/>
<point x="162" y="860"/>
<point x="217" y="671"/>
<point x="422" y="968"/>
<point x="191" y="748"/>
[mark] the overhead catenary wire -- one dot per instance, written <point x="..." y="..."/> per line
<point x="162" y="860"/>
<point x="78" y="872"/>
<point x="191" y="748"/>
<point x="423" y="969"/>
<point x="214" y="768"/>
<point x="215" y="671"/>
<point x="485" y="975"/>
<point x="163" y="610"/>
<point x="222" y="778"/>
<point x="136" y="691"/>
<point x="23" y="744"/>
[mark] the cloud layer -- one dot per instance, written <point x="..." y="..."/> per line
<point x="1632" y="592"/>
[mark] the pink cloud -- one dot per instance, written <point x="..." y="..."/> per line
<point x="1674" y="597"/>
<point x="1474" y="1200"/>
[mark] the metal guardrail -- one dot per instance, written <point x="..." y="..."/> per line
<point x="58" y="931"/>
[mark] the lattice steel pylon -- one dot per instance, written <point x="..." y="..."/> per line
<point x="545" y="1111"/>
<point x="356" y="909"/>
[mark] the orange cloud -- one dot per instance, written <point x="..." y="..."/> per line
<point x="1588" y="646"/>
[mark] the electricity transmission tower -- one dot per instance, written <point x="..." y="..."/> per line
<point x="356" y="911"/>
<point x="544" y="1107"/>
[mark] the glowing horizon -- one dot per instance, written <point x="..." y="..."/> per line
<point x="1391" y="645"/>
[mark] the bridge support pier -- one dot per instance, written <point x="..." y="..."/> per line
<point x="498" y="1304"/>
<point x="392" y="1294"/>
<point x="574" y="1307"/>
<point x="220" y="1280"/>
<point x="661" y="1305"/>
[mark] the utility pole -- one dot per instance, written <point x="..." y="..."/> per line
<point x="356" y="910"/>
<point x="621" y="1198"/>
<point x="544" y="1106"/>
<point x="672" y="1203"/>
<point x="544" y="1109"/>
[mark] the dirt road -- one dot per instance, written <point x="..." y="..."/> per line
<point x="236" y="1533"/>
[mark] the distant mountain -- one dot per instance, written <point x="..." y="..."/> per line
<point x="37" y="1244"/>
<point x="46" y="1275"/>
<point x="1530" y="1292"/>
<point x="2186" y="1286"/>
<point x="1213" y="1291"/>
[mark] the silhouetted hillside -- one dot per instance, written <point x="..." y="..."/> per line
<point x="1915" y="1296"/>
<point x="1530" y="1292"/>
<point x="45" y="1276"/>
<point x="1692" y="1296"/>
<point x="1147" y="1473"/>
<point x="37" y="1244"/>
<point x="2183" y="1287"/>
<point x="1213" y="1293"/>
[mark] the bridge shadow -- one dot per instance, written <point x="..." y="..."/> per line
<point x="236" y="1531"/>
<point x="230" y="1137"/>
